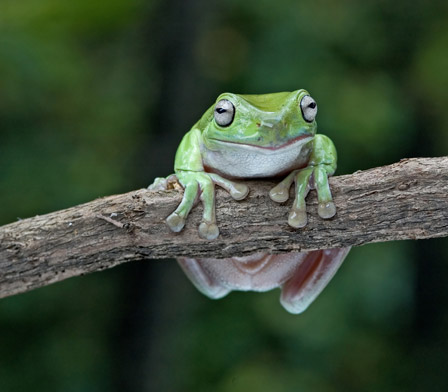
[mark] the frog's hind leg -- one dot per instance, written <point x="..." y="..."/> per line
<point x="202" y="279"/>
<point x="310" y="278"/>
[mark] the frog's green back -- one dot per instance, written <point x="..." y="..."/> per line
<point x="267" y="102"/>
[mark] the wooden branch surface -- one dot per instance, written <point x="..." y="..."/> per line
<point x="406" y="200"/>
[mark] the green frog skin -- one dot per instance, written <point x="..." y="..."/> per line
<point x="256" y="136"/>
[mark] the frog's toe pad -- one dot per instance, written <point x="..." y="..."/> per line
<point x="175" y="222"/>
<point x="239" y="191"/>
<point x="208" y="231"/>
<point x="297" y="218"/>
<point x="164" y="184"/>
<point x="279" y="193"/>
<point x="159" y="184"/>
<point x="326" y="210"/>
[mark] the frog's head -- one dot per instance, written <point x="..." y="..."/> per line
<point x="268" y="122"/>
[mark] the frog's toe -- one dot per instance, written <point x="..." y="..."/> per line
<point x="326" y="210"/>
<point x="236" y="190"/>
<point x="175" y="222"/>
<point x="208" y="230"/>
<point x="165" y="183"/>
<point x="159" y="184"/>
<point x="280" y="193"/>
<point x="297" y="218"/>
<point x="239" y="191"/>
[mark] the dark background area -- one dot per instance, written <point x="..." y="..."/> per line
<point x="94" y="99"/>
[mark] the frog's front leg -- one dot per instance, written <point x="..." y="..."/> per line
<point x="202" y="185"/>
<point x="321" y="165"/>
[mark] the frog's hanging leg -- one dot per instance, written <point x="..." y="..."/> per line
<point x="302" y="276"/>
<point x="322" y="164"/>
<point x="200" y="276"/>
<point x="310" y="278"/>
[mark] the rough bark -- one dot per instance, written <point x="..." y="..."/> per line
<point x="406" y="200"/>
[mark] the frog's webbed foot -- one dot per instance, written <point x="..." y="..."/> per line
<point x="202" y="185"/>
<point x="306" y="179"/>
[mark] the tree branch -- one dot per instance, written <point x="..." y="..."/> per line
<point x="407" y="200"/>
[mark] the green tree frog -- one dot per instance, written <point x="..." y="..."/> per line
<point x="256" y="136"/>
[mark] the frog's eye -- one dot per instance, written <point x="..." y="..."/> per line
<point x="309" y="108"/>
<point x="224" y="113"/>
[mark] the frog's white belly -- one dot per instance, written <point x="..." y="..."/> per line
<point x="246" y="161"/>
<point x="257" y="272"/>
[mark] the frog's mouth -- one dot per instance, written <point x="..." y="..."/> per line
<point x="293" y="143"/>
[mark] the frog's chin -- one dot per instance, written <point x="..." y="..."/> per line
<point x="290" y="144"/>
<point x="238" y="160"/>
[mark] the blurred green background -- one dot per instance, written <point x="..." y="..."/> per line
<point x="94" y="99"/>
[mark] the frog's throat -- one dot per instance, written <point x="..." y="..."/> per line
<point x="237" y="160"/>
<point x="293" y="143"/>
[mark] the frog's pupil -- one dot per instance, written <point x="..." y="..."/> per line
<point x="221" y="110"/>
<point x="312" y="105"/>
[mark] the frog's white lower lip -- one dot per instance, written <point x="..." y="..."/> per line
<point x="298" y="140"/>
